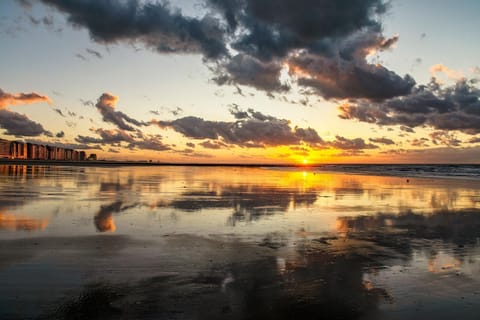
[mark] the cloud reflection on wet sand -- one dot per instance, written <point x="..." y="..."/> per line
<point x="21" y="223"/>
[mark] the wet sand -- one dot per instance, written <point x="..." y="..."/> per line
<point x="238" y="243"/>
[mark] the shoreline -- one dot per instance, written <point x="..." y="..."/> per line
<point x="101" y="163"/>
<point x="104" y="163"/>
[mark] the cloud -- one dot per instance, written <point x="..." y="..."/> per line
<point x="455" y="107"/>
<point x="9" y="99"/>
<point x="348" y="79"/>
<point x="445" y="138"/>
<point x="87" y="103"/>
<point x="324" y="43"/>
<point x="106" y="137"/>
<point x="253" y="129"/>
<point x="247" y="70"/>
<point x="419" y="142"/>
<point x="94" y="53"/>
<point x="16" y="124"/>
<point x="60" y="134"/>
<point x="343" y="143"/>
<point x="451" y="74"/>
<point x="59" y="112"/>
<point x="213" y="145"/>
<point x="273" y="28"/>
<point x="106" y="106"/>
<point x="474" y="140"/>
<point x="27" y="4"/>
<point x="155" y="25"/>
<point x="46" y="20"/>
<point x="385" y="141"/>
<point x="81" y="57"/>
<point x="147" y="142"/>
<point x="177" y="111"/>
<point x="117" y="136"/>
<point x="407" y="129"/>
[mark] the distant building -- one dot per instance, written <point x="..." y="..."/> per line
<point x="92" y="157"/>
<point x="68" y="154"/>
<point x="5" y="149"/>
<point x="18" y="150"/>
<point x="51" y="153"/>
<point x="33" y="151"/>
<point x="41" y="152"/>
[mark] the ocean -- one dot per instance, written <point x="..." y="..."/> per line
<point x="196" y="242"/>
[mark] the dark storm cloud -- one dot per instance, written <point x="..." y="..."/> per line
<point x="253" y="129"/>
<point x="106" y="105"/>
<point x="455" y="107"/>
<point x="324" y="42"/>
<point x="16" y="124"/>
<point x="273" y="28"/>
<point x="155" y="24"/>
<point x="247" y="70"/>
<point x="25" y="3"/>
<point x="332" y="78"/>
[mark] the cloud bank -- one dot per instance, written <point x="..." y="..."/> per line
<point x="322" y="44"/>
<point x="455" y="107"/>
<point x="251" y="129"/>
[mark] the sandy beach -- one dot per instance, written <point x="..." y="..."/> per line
<point x="238" y="243"/>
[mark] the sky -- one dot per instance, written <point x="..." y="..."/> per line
<point x="244" y="81"/>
